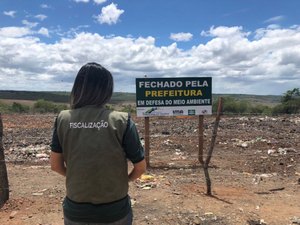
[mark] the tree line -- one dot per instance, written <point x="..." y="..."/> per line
<point x="43" y="106"/>
<point x="289" y="104"/>
<point x="40" y="106"/>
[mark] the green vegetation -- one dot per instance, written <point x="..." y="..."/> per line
<point x="291" y="95"/>
<point x="122" y="97"/>
<point x="40" y="106"/>
<point x="129" y="108"/>
<point x="14" y="108"/>
<point x="290" y="103"/>
<point x="54" y="102"/>
<point x="4" y="108"/>
<point x="233" y="106"/>
<point x="62" y="97"/>
<point x="269" y="100"/>
<point x="19" y="108"/>
<point x="43" y="106"/>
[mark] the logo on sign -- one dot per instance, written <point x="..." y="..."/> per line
<point x="191" y="112"/>
<point x="149" y="111"/>
<point x="177" y="112"/>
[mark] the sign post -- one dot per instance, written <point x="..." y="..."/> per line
<point x="147" y="141"/>
<point x="200" y="144"/>
<point x="184" y="96"/>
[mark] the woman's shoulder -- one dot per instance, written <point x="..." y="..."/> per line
<point x="64" y="112"/>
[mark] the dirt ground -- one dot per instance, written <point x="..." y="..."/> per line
<point x="255" y="172"/>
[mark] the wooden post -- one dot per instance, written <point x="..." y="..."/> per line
<point x="147" y="141"/>
<point x="211" y="148"/>
<point x="4" y="189"/>
<point x="200" y="130"/>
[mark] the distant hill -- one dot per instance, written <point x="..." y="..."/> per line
<point x="123" y="97"/>
<point x="62" y="97"/>
<point x="269" y="100"/>
<point x="59" y="97"/>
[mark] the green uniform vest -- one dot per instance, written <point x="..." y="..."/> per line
<point x="91" y="140"/>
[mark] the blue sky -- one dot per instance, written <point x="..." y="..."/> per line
<point x="250" y="47"/>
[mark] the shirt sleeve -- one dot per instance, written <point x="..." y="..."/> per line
<point x="132" y="144"/>
<point x="55" y="145"/>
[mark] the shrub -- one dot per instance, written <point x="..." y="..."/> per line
<point x="233" y="106"/>
<point x="291" y="95"/>
<point x="109" y="107"/>
<point x="290" y="103"/>
<point x="42" y="106"/>
<point x="128" y="108"/>
<point x="230" y="105"/>
<point x="260" y="109"/>
<point x="289" y="107"/>
<point x="4" y="108"/>
<point x="19" y="108"/>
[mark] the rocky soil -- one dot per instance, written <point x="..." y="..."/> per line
<point x="255" y="172"/>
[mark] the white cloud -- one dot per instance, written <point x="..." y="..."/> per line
<point x="41" y="17"/>
<point x="269" y="64"/>
<point x="181" y="36"/>
<point x="10" y="13"/>
<point x="273" y="26"/>
<point x="98" y="2"/>
<point x="84" y="1"/>
<point x="45" y="6"/>
<point x="14" y="32"/>
<point x="274" y="19"/>
<point x="44" y="31"/>
<point x="110" y="14"/>
<point x="223" y="31"/>
<point x="29" y="24"/>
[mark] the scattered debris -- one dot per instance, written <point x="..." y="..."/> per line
<point x="264" y="149"/>
<point x="133" y="202"/>
<point x="165" y="132"/>
<point x="37" y="194"/>
<point x="256" y="222"/>
<point x="271" y="151"/>
<point x="277" y="189"/>
<point x="146" y="182"/>
<point x="146" y="177"/>
<point x="295" y="220"/>
<point x="270" y="191"/>
<point x="12" y="215"/>
<point x="284" y="151"/>
<point x="260" y="177"/>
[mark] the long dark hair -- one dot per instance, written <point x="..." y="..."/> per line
<point x="93" y="86"/>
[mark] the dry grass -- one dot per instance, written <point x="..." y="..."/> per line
<point x="23" y="102"/>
